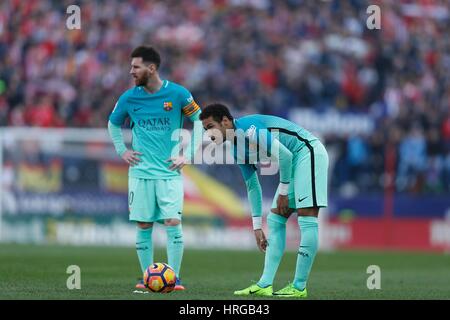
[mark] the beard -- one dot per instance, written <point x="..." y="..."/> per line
<point x="141" y="81"/>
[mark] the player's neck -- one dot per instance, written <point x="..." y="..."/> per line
<point x="153" y="85"/>
<point x="231" y="136"/>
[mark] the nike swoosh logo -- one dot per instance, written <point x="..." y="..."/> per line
<point x="300" y="200"/>
<point x="252" y="292"/>
<point x="137" y="109"/>
<point x="178" y="237"/>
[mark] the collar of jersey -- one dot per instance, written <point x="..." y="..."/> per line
<point x="164" y="85"/>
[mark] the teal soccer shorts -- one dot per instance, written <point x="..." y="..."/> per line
<point x="308" y="187"/>
<point x="155" y="200"/>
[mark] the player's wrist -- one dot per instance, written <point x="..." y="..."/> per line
<point x="257" y="223"/>
<point x="121" y="151"/>
<point x="283" y="188"/>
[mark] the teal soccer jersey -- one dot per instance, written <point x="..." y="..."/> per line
<point x="154" y="120"/>
<point x="307" y="171"/>
<point x="257" y="132"/>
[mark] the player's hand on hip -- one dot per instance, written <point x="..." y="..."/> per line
<point x="131" y="157"/>
<point x="177" y="163"/>
<point x="261" y="240"/>
<point x="283" y="204"/>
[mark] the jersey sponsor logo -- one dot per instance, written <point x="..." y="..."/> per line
<point x="168" y="106"/>
<point x="155" y="124"/>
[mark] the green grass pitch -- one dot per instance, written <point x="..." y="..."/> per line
<point x="39" y="272"/>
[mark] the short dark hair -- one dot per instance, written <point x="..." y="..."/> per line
<point x="148" y="54"/>
<point x="217" y="111"/>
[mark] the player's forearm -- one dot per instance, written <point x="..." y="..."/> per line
<point x="284" y="157"/>
<point x="197" y="138"/>
<point x="254" y="193"/>
<point x="117" y="138"/>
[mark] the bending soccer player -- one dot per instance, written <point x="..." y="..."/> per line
<point x="156" y="108"/>
<point x="303" y="166"/>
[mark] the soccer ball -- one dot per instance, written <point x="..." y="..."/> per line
<point x="160" y="277"/>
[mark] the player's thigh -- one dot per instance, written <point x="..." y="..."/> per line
<point x="291" y="197"/>
<point x="142" y="200"/>
<point x="311" y="177"/>
<point x="169" y="197"/>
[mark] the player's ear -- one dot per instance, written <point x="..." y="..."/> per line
<point x="151" y="67"/>
<point x="227" y="122"/>
<point x="224" y="121"/>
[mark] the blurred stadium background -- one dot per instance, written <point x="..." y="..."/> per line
<point x="379" y="99"/>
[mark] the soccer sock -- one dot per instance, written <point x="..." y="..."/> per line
<point x="175" y="246"/>
<point x="144" y="247"/>
<point x="274" y="252"/>
<point x="309" y="243"/>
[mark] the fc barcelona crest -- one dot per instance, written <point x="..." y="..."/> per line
<point x="167" y="106"/>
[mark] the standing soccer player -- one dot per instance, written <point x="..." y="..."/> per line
<point x="303" y="165"/>
<point x="156" y="108"/>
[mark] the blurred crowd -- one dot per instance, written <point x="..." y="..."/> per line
<point x="259" y="56"/>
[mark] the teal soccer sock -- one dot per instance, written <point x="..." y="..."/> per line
<point x="144" y="247"/>
<point x="175" y="247"/>
<point x="309" y="243"/>
<point x="275" y="249"/>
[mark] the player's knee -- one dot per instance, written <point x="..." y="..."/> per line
<point x="144" y="225"/>
<point x="285" y="215"/>
<point x="172" y="222"/>
<point x="308" y="212"/>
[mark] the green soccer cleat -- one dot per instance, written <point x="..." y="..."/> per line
<point x="291" y="292"/>
<point x="255" y="290"/>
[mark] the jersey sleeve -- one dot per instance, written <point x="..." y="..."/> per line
<point x="120" y="112"/>
<point x="115" y="133"/>
<point x="253" y="186"/>
<point x="269" y="144"/>
<point x="247" y="170"/>
<point x="188" y="106"/>
<point x="284" y="157"/>
<point x="272" y="147"/>
<point x="192" y="111"/>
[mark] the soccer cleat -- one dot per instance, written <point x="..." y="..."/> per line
<point x="140" y="284"/>
<point x="256" y="290"/>
<point x="291" y="292"/>
<point x="178" y="285"/>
